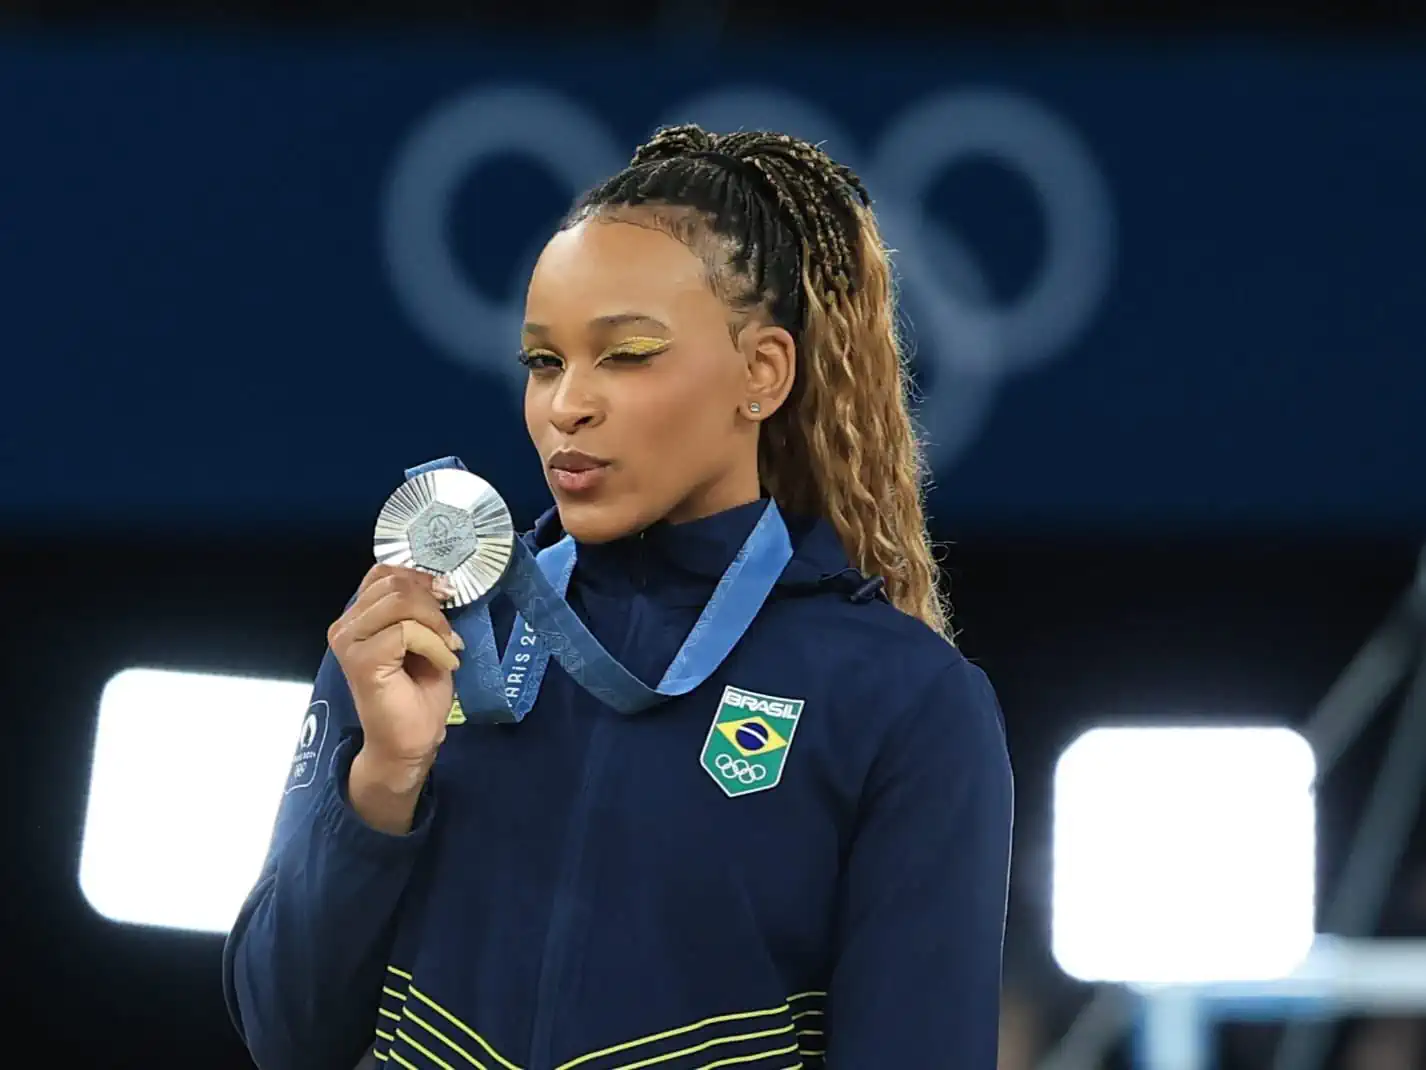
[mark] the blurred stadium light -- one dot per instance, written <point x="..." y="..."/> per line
<point x="1346" y="969"/>
<point x="1184" y="854"/>
<point x="186" y="780"/>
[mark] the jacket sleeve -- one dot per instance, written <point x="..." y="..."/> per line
<point x="303" y="965"/>
<point x="921" y="925"/>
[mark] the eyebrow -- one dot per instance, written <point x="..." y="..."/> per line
<point x="618" y="319"/>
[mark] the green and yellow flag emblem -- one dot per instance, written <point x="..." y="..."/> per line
<point x="748" y="741"/>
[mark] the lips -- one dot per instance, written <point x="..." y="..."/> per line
<point x="573" y="461"/>
<point x="574" y="472"/>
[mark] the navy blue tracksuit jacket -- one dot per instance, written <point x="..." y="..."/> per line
<point x="595" y="891"/>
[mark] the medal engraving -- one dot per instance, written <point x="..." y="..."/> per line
<point x="442" y="537"/>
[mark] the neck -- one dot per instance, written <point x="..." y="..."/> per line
<point x="681" y="562"/>
<point x="736" y="489"/>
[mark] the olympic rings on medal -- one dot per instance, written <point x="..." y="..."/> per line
<point x="739" y="769"/>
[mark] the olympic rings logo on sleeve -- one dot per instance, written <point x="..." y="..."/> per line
<point x="740" y="769"/>
<point x="967" y="343"/>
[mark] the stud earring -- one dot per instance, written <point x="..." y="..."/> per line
<point x="753" y="406"/>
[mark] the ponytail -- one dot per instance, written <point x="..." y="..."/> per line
<point x="845" y="446"/>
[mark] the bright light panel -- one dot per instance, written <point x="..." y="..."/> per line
<point x="1184" y="855"/>
<point x="187" y="778"/>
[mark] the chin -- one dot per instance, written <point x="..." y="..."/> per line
<point x="594" y="521"/>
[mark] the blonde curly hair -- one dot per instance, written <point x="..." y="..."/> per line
<point x="789" y="236"/>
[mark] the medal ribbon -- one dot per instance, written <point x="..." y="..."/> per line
<point x="497" y="690"/>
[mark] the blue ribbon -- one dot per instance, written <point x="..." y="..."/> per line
<point x="497" y="690"/>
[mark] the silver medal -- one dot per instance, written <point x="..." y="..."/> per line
<point x="451" y="523"/>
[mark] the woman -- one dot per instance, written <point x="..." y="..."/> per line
<point x="804" y="861"/>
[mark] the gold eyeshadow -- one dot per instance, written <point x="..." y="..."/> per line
<point x="640" y="346"/>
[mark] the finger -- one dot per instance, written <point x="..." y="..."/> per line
<point x="384" y="582"/>
<point x="425" y="643"/>
<point x="383" y="578"/>
<point x="378" y="572"/>
<point x="404" y="583"/>
<point x="386" y="647"/>
<point x="399" y="605"/>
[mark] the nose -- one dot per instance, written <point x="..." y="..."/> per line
<point x="574" y="406"/>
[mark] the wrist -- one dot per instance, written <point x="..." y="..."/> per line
<point x="396" y="776"/>
<point x="384" y="792"/>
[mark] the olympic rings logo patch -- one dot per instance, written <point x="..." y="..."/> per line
<point x="740" y="769"/>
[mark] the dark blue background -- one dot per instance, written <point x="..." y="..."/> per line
<point x="199" y="332"/>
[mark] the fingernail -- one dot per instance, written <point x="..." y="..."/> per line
<point x="455" y="642"/>
<point x="442" y="590"/>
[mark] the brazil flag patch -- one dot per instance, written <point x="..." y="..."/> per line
<point x="749" y="739"/>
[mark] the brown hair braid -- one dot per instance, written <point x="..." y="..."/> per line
<point x="789" y="236"/>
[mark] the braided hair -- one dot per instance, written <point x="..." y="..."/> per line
<point x="788" y="238"/>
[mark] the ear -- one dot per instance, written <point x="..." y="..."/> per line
<point x="771" y="354"/>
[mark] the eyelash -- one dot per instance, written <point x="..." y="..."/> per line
<point x="532" y="359"/>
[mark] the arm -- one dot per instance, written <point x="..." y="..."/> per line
<point x="916" y="980"/>
<point x="303" y="964"/>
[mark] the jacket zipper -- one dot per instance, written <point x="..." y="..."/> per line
<point x="563" y="930"/>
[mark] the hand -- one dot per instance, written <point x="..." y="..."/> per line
<point x="395" y="647"/>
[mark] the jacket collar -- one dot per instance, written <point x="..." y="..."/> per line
<point x="689" y="558"/>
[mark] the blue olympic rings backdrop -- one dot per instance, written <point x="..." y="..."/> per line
<point x="246" y="282"/>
